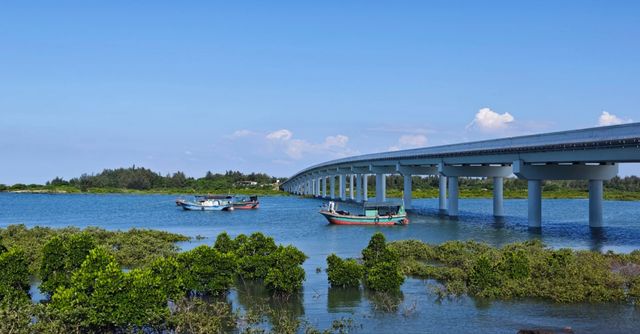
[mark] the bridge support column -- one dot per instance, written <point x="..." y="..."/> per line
<point x="324" y="187"/>
<point x="453" y="172"/>
<point x="343" y="186"/>
<point x="453" y="196"/>
<point x="535" y="203"/>
<point x="595" y="203"/>
<point x="381" y="187"/>
<point x="594" y="173"/>
<point x="319" y="187"/>
<point x="351" y="194"/>
<point x="332" y="186"/>
<point x="407" y="191"/>
<point x="359" y="178"/>
<point x="498" y="207"/>
<point x="442" y="200"/>
<point x="365" y="187"/>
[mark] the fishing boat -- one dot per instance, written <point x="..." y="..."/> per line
<point x="204" y="203"/>
<point x="245" y="202"/>
<point x="374" y="213"/>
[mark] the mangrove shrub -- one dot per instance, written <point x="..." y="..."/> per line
<point x="61" y="255"/>
<point x="253" y="255"/>
<point x="285" y="274"/>
<point x="381" y="263"/>
<point x="343" y="273"/>
<point x="207" y="271"/>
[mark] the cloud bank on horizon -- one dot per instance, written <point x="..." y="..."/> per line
<point x="486" y="121"/>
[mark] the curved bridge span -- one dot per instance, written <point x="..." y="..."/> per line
<point x="588" y="154"/>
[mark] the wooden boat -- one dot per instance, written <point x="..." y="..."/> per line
<point x="245" y="202"/>
<point x="383" y="213"/>
<point x="202" y="203"/>
<point x="238" y="202"/>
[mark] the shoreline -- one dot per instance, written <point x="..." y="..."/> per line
<point x="612" y="195"/>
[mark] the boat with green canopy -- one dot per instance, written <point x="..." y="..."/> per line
<point x="373" y="213"/>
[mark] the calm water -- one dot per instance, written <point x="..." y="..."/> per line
<point x="292" y="220"/>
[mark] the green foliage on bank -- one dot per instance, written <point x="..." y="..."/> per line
<point x="523" y="270"/>
<point x="91" y="293"/>
<point x="619" y="188"/>
<point x="132" y="249"/>
<point x="380" y="268"/>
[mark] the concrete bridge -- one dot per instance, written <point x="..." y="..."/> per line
<point x="589" y="154"/>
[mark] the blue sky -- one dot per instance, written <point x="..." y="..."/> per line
<point x="276" y="86"/>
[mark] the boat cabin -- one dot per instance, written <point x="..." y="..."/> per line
<point x="372" y="209"/>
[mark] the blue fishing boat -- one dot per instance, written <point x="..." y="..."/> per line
<point x="203" y="203"/>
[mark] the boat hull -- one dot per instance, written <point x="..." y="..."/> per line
<point x="338" y="219"/>
<point x="246" y="205"/>
<point x="197" y="207"/>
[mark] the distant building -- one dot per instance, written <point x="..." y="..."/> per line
<point x="247" y="183"/>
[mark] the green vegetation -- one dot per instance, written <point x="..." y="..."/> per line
<point x="142" y="180"/>
<point x="344" y="273"/>
<point x="207" y="271"/>
<point x="90" y="293"/>
<point x="627" y="188"/>
<point x="521" y="270"/>
<point x="380" y="269"/>
<point x="132" y="249"/>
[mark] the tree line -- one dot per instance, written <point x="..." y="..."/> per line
<point x="140" y="178"/>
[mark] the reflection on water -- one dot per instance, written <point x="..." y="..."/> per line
<point x="343" y="299"/>
<point x="254" y="296"/>
<point x="292" y="220"/>
<point x="385" y="302"/>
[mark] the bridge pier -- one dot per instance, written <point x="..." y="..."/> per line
<point x="451" y="172"/>
<point x="498" y="199"/>
<point x="594" y="173"/>
<point x="351" y="194"/>
<point x="442" y="199"/>
<point x="343" y="186"/>
<point x="407" y="191"/>
<point x="534" y="198"/>
<point x="359" y="187"/>
<point x="452" y="204"/>
<point x="595" y="203"/>
<point x="381" y="187"/>
<point x="365" y="187"/>
<point x="407" y="172"/>
<point x="324" y="186"/>
<point x="332" y="187"/>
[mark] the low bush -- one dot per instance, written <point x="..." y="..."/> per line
<point x="526" y="269"/>
<point x="285" y="274"/>
<point x="344" y="273"/>
<point x="207" y="271"/>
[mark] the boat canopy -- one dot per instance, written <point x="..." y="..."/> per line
<point x="381" y="204"/>
<point x="383" y="208"/>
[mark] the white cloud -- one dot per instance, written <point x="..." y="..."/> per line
<point x="409" y="141"/>
<point x="336" y="141"/>
<point x="489" y="120"/>
<point x="611" y="119"/>
<point x="282" y="134"/>
<point x="297" y="148"/>
<point x="241" y="133"/>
